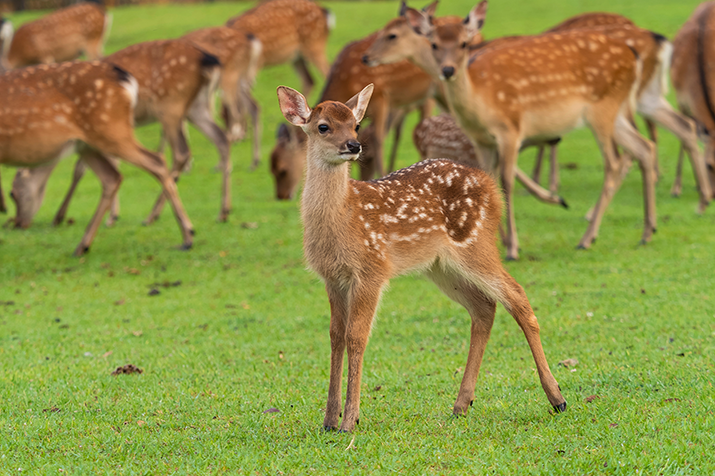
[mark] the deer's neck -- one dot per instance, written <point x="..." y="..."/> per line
<point x="465" y="102"/>
<point x="325" y="197"/>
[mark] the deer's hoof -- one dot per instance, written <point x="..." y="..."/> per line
<point x="563" y="203"/>
<point x="186" y="246"/>
<point x="560" y="408"/>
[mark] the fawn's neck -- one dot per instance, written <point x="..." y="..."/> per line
<point x="325" y="194"/>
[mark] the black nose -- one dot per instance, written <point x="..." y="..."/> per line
<point x="353" y="146"/>
<point x="448" y="72"/>
<point x="365" y="59"/>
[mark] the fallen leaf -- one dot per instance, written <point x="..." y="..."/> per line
<point x="570" y="166"/>
<point x="674" y="399"/>
<point x="50" y="410"/>
<point x="141" y="422"/>
<point x="271" y="410"/>
<point x="154" y="292"/>
<point x="591" y="398"/>
<point x="377" y="389"/>
<point x="119" y="303"/>
<point x="350" y="446"/>
<point x="568" y="362"/>
<point x="613" y="425"/>
<point x="252" y="225"/>
<point x="107" y="354"/>
<point x="137" y="333"/>
<point x="133" y="271"/>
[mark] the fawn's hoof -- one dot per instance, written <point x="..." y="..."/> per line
<point x="563" y="203"/>
<point x="560" y="408"/>
<point x="81" y="250"/>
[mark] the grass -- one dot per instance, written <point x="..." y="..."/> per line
<point x="246" y="329"/>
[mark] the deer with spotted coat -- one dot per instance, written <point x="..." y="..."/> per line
<point x="176" y="82"/>
<point x="438" y="217"/>
<point x="49" y="111"/>
<point x="541" y="88"/>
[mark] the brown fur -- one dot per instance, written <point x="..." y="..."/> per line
<point x="62" y="35"/>
<point x="174" y="86"/>
<point x="436" y="217"/>
<point x="694" y="82"/>
<point x="50" y="108"/>
<point x="541" y="88"/>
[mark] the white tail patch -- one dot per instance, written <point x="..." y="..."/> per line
<point x="132" y="87"/>
<point x="6" y="34"/>
<point x="254" y="63"/>
<point x="664" y="56"/>
<point x="330" y="19"/>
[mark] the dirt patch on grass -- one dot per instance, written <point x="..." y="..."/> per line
<point x="127" y="369"/>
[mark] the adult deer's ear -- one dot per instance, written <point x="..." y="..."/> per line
<point x="430" y="9"/>
<point x="475" y="19"/>
<point x="293" y="106"/>
<point x="358" y="103"/>
<point x="403" y="7"/>
<point x="419" y="21"/>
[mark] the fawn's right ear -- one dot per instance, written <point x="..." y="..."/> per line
<point x="293" y="106"/>
<point x="421" y="22"/>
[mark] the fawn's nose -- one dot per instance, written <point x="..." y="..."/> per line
<point x="353" y="146"/>
<point x="448" y="72"/>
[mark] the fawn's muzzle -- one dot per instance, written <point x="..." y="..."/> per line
<point x="448" y="72"/>
<point x="353" y="146"/>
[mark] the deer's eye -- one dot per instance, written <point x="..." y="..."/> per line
<point x="357" y="128"/>
<point x="434" y="46"/>
<point x="323" y="128"/>
<point x="391" y="36"/>
<point x="464" y="45"/>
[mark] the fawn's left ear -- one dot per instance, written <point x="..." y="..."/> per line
<point x="358" y="103"/>
<point x="293" y="106"/>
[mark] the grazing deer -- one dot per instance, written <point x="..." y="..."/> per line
<point x="290" y="31"/>
<point x="694" y="83"/>
<point x="49" y="110"/>
<point x="176" y="83"/>
<point x="62" y="35"/>
<point x="438" y="217"/>
<point x="439" y="137"/>
<point x="541" y="88"/>
<point x="239" y="54"/>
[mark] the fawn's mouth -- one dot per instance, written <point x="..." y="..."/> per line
<point x="347" y="155"/>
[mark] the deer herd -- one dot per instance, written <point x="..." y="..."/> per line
<point x="441" y="216"/>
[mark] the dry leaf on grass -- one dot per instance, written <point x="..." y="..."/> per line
<point x="271" y="410"/>
<point x="568" y="363"/>
<point x="127" y="369"/>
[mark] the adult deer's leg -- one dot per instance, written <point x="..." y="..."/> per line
<point x="180" y="149"/>
<point x="662" y="112"/>
<point x="77" y="175"/>
<point x="362" y="304"/>
<point x="482" y="310"/>
<point x="306" y="79"/>
<point x="643" y="151"/>
<point x="554" y="166"/>
<point x="396" y="123"/>
<point x="380" y="115"/>
<point x="133" y="153"/>
<point x="111" y="179"/>
<point x="201" y="117"/>
<point x="508" y="151"/>
<point x="338" y="320"/>
<point x="315" y="53"/>
<point x="251" y="105"/>
<point x="536" y="173"/>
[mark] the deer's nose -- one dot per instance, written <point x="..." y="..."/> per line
<point x="448" y="72"/>
<point x="353" y="146"/>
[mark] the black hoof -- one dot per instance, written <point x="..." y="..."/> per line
<point x="329" y="428"/>
<point x="192" y="232"/>
<point x="186" y="246"/>
<point x="563" y="203"/>
<point x="344" y="431"/>
<point x="510" y="258"/>
<point x="642" y="243"/>
<point x="560" y="408"/>
<point x="581" y="247"/>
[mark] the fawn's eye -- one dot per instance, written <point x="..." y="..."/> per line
<point x="357" y="128"/>
<point x="434" y="46"/>
<point x="391" y="36"/>
<point x="323" y="128"/>
<point x="464" y="45"/>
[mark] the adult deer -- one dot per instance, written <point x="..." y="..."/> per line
<point x="49" y="110"/>
<point x="176" y="83"/>
<point x="542" y="88"/>
<point x="694" y="84"/>
<point x="239" y="54"/>
<point x="62" y="35"/>
<point x="290" y="31"/>
<point x="438" y="217"/>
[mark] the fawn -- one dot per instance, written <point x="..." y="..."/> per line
<point x="438" y="217"/>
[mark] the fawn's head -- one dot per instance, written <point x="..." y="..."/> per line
<point x="331" y="127"/>
<point x="397" y="40"/>
<point x="27" y="193"/>
<point x="450" y="42"/>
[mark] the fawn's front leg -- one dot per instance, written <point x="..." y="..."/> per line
<point x="338" y="318"/>
<point x="363" y="303"/>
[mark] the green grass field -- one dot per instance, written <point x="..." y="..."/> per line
<point x="240" y="327"/>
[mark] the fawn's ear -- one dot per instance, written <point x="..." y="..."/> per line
<point x="293" y="106"/>
<point x="358" y="103"/>
<point x="475" y="20"/>
<point x="421" y="22"/>
<point x="403" y="7"/>
<point x="430" y="9"/>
